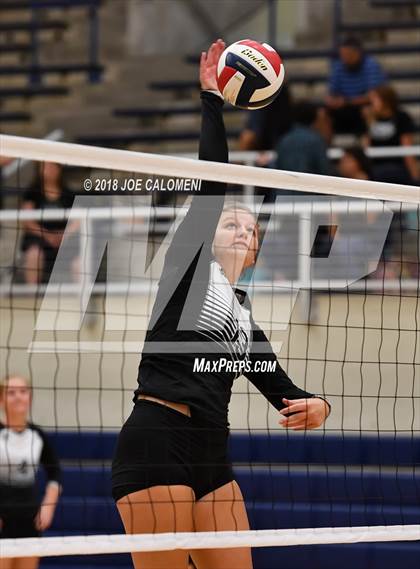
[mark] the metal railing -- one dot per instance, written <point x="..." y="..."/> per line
<point x="309" y="214"/>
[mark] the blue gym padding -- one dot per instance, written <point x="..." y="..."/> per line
<point x="343" y="556"/>
<point x="100" y="514"/>
<point x="324" y="448"/>
<point x="265" y="483"/>
<point x="285" y="448"/>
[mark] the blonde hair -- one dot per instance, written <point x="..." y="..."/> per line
<point x="252" y="253"/>
<point x="4" y="382"/>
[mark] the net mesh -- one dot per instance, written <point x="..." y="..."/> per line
<point x="336" y="290"/>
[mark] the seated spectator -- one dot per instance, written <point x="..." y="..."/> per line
<point x="353" y="75"/>
<point x="388" y="125"/>
<point x="265" y="126"/>
<point x="42" y="239"/>
<point x="355" y="164"/>
<point x="303" y="148"/>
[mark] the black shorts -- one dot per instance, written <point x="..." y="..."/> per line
<point x="16" y="526"/>
<point x="16" y="514"/>
<point x="161" y="446"/>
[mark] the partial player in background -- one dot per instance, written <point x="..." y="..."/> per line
<point x="171" y="471"/>
<point x="42" y="238"/>
<point x="23" y="448"/>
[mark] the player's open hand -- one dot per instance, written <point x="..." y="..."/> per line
<point x="208" y="65"/>
<point x="301" y="414"/>
<point x="44" y="517"/>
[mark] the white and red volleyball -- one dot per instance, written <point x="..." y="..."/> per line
<point x="250" y="74"/>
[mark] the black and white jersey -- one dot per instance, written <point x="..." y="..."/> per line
<point x="202" y="315"/>
<point x="222" y="319"/>
<point x="21" y="455"/>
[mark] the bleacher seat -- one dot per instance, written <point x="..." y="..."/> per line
<point x="393" y="3"/>
<point x="379" y="26"/>
<point x="14" y="116"/>
<point x="328" y="53"/>
<point x="32" y="26"/>
<point x="29" y="91"/>
<point x="15" y="47"/>
<point x="123" y="139"/>
<point x="294" y="78"/>
<point x="42" y="4"/>
<point x="152" y="112"/>
<point x="62" y="68"/>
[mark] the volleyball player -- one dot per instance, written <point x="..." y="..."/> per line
<point x="23" y="448"/>
<point x="171" y="471"/>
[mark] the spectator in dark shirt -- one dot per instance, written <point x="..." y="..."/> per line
<point x="303" y="148"/>
<point x="265" y="126"/>
<point x="353" y="75"/>
<point x="42" y="238"/>
<point x="388" y="125"/>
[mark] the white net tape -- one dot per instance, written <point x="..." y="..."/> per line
<point x="98" y="544"/>
<point x="91" y="156"/>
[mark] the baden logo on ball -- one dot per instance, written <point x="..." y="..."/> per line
<point x="250" y="74"/>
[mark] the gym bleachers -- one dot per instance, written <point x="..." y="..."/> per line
<point x="38" y="23"/>
<point x="288" y="480"/>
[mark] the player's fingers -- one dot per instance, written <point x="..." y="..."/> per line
<point x="301" y="427"/>
<point x="220" y="46"/>
<point x="296" y="420"/>
<point x="292" y="401"/>
<point x="211" y="54"/>
<point x="295" y="408"/>
<point x="296" y="426"/>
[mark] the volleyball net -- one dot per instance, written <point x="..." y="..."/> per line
<point x="335" y="288"/>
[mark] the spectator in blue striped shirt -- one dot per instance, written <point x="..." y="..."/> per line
<point x="353" y="75"/>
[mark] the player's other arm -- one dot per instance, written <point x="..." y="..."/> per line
<point x="299" y="409"/>
<point x="49" y="461"/>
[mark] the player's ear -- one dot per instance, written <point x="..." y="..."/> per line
<point x="253" y="249"/>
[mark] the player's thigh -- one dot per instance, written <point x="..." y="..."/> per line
<point x="159" y="509"/>
<point x="222" y="510"/>
<point x="26" y="563"/>
<point x="5" y="563"/>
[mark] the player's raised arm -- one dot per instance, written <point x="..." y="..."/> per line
<point x="198" y="227"/>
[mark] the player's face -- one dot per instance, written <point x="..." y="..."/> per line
<point x="350" y="56"/>
<point x="234" y="237"/>
<point x="50" y="172"/>
<point x="376" y="102"/>
<point x="348" y="166"/>
<point x="17" y="396"/>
